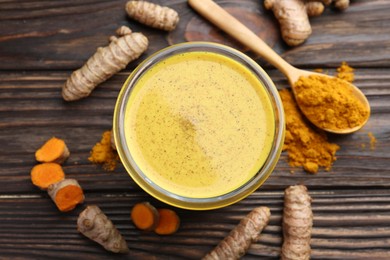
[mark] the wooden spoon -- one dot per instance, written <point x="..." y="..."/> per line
<point x="222" y="19"/>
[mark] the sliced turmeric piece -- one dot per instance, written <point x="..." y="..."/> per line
<point x="66" y="194"/>
<point x="53" y="150"/>
<point x="145" y="216"/>
<point x="169" y="222"/>
<point x="95" y="225"/>
<point x="45" y="174"/>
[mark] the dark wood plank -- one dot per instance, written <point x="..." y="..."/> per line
<point x="41" y="42"/>
<point x="344" y="227"/>
<point x="62" y="35"/>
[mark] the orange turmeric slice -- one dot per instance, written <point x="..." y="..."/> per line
<point x="169" y="222"/>
<point x="145" y="216"/>
<point x="45" y="174"/>
<point x="66" y="194"/>
<point x="54" y="150"/>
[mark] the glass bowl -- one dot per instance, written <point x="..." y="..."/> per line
<point x="199" y="125"/>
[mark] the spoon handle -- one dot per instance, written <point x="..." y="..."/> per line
<point x="222" y="19"/>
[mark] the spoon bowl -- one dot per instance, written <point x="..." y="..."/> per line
<point x="222" y="19"/>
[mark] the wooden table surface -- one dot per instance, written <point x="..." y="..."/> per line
<point x="42" y="42"/>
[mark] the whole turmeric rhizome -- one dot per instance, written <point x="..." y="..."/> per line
<point x="106" y="62"/>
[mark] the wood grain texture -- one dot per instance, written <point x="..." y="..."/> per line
<point x="41" y="42"/>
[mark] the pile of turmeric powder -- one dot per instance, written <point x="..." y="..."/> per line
<point x="329" y="101"/>
<point x="103" y="153"/>
<point x="306" y="146"/>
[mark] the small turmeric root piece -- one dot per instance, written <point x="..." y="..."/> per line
<point x="297" y="223"/>
<point x="315" y="8"/>
<point x="293" y="17"/>
<point x="66" y="194"/>
<point x="242" y="236"/>
<point x="169" y="222"/>
<point x="153" y="15"/>
<point x="145" y="216"/>
<point x="341" y="4"/>
<point x="45" y="174"/>
<point x="95" y="225"/>
<point x="105" y="63"/>
<point x="53" y="150"/>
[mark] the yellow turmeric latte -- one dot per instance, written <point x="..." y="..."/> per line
<point x="199" y="124"/>
<point x="329" y="102"/>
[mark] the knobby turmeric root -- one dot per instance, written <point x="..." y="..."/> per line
<point x="95" y="225"/>
<point x="341" y="4"/>
<point x="66" y="194"/>
<point x="293" y="16"/>
<point x="53" y="150"/>
<point x="45" y="174"/>
<point x="297" y="223"/>
<point x="242" y="236"/>
<point x="105" y="63"/>
<point x="145" y="216"/>
<point x="153" y="15"/>
<point x="168" y="223"/>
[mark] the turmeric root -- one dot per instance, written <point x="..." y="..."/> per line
<point x="242" y="236"/>
<point x="95" y="225"/>
<point x="105" y="63"/>
<point x="153" y="15"/>
<point x="297" y="223"/>
<point x="341" y="4"/>
<point x="169" y="222"/>
<point x="293" y="17"/>
<point x="53" y="150"/>
<point x="145" y="216"/>
<point x="45" y="174"/>
<point x="66" y="194"/>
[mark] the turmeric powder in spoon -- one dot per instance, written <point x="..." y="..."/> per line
<point x="329" y="102"/>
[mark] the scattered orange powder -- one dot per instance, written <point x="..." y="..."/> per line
<point x="103" y="153"/>
<point x="372" y="140"/>
<point x="345" y="72"/>
<point x="305" y="146"/>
